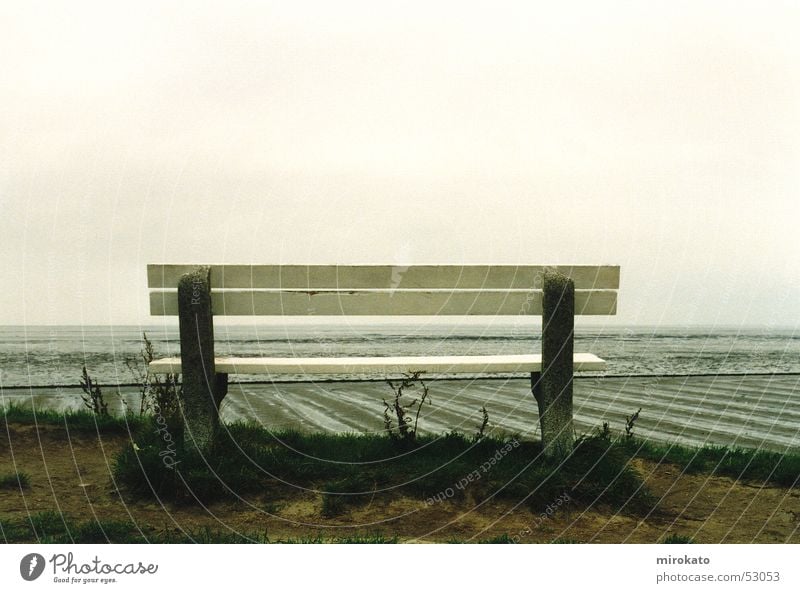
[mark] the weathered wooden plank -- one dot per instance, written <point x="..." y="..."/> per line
<point x="291" y="276"/>
<point x="506" y="363"/>
<point x="385" y="302"/>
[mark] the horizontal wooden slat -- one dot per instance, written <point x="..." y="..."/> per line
<point x="384" y="276"/>
<point x="397" y="302"/>
<point x="382" y="365"/>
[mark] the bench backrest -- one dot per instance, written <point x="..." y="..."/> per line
<point x="384" y="289"/>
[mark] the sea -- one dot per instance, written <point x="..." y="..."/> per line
<point x="732" y="386"/>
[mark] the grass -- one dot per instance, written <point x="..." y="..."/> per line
<point x="782" y="469"/>
<point x="351" y="469"/>
<point x="80" y="421"/>
<point x="53" y="528"/>
<point x="342" y="494"/>
<point x="17" y="481"/>
<point x="675" y="538"/>
<point x="500" y="539"/>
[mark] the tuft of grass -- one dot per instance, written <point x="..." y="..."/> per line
<point x="272" y="507"/>
<point x="332" y="505"/>
<point x="102" y="532"/>
<point x="92" y="395"/>
<point x="675" y="538"/>
<point x="53" y="528"/>
<point x="17" y="481"/>
<point x="782" y="469"/>
<point x="342" y="494"/>
<point x="500" y="539"/>
<point x="206" y="535"/>
<point x="376" y="538"/>
<point x="44" y="527"/>
<point x="80" y="421"/>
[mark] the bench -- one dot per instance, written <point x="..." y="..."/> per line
<point x="197" y="293"/>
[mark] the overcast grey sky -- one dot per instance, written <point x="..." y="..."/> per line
<point x="661" y="136"/>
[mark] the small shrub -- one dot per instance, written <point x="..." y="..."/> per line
<point x="605" y="431"/>
<point x="630" y="421"/>
<point x="138" y="368"/>
<point x="272" y="507"/>
<point x="406" y="431"/>
<point x="342" y="494"/>
<point x="18" y="481"/>
<point x="605" y="476"/>
<point x="92" y="395"/>
<point x="333" y="505"/>
<point x="159" y="394"/>
<point x="47" y="526"/>
<point x="484" y="423"/>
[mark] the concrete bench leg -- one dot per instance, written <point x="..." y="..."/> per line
<point x="553" y="388"/>
<point x="220" y="387"/>
<point x="203" y="388"/>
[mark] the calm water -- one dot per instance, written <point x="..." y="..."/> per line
<point x="48" y="355"/>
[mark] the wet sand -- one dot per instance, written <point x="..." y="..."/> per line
<point x="756" y="411"/>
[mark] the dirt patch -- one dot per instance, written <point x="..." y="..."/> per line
<point x="72" y="474"/>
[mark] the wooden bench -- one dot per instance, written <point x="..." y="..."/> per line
<point x="198" y="293"/>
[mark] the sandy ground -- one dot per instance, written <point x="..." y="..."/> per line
<point x="71" y="474"/>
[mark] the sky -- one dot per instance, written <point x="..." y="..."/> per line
<point x="663" y="137"/>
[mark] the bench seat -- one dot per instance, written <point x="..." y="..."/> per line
<point x="197" y="294"/>
<point x="504" y="363"/>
